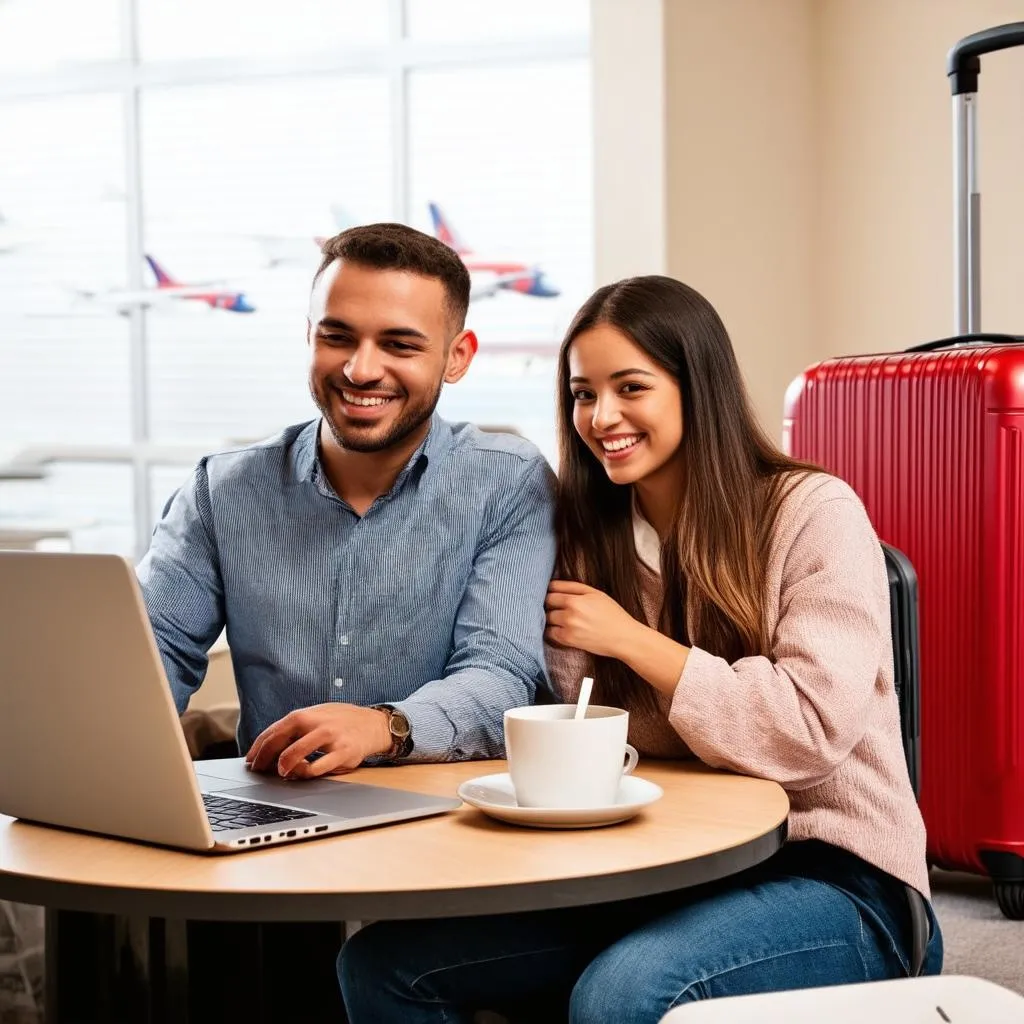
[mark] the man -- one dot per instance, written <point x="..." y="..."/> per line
<point x="381" y="572"/>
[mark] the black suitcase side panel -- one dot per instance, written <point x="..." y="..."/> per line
<point x="903" y="612"/>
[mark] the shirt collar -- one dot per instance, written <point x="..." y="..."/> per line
<point x="646" y="540"/>
<point x="430" y="452"/>
<point x="307" y="452"/>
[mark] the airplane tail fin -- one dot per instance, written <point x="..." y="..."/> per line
<point x="444" y="231"/>
<point x="163" y="279"/>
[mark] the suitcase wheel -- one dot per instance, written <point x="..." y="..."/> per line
<point x="1010" y="897"/>
<point x="1007" y="873"/>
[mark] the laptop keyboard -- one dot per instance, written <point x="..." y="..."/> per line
<point x="225" y="813"/>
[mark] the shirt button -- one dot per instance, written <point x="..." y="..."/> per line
<point x="339" y="683"/>
<point x="344" y="640"/>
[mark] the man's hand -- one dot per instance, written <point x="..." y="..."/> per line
<point x="345" y="733"/>
<point x="589" y="620"/>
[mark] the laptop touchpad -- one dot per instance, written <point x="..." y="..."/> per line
<point x="344" y="799"/>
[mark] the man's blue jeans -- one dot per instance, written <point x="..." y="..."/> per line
<point x="813" y="916"/>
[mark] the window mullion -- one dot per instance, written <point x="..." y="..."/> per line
<point x="134" y="253"/>
<point x="398" y="80"/>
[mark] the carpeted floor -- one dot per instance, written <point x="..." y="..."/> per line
<point x="979" y="941"/>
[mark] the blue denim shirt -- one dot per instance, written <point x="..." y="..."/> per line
<point x="433" y="601"/>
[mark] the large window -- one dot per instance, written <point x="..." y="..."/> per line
<point x="209" y="143"/>
<point x="285" y="152"/>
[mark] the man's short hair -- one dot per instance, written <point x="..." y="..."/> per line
<point x="399" y="247"/>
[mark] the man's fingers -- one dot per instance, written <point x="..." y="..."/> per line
<point x="269" y="744"/>
<point x="266" y="747"/>
<point x="333" y="762"/>
<point x="296" y="754"/>
<point x="254" y="748"/>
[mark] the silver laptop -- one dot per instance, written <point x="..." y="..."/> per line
<point x="90" y="739"/>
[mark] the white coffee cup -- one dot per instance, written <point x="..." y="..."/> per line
<point x="557" y="761"/>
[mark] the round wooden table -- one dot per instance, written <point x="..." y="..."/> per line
<point x="708" y="825"/>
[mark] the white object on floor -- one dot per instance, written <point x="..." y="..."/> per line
<point x="941" y="999"/>
<point x="496" y="796"/>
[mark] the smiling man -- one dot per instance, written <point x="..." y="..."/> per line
<point x="381" y="573"/>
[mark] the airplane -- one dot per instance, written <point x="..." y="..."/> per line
<point x="285" y="250"/>
<point x="498" y="275"/>
<point x="122" y="301"/>
<point x="232" y="302"/>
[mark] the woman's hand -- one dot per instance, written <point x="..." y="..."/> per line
<point x="589" y="620"/>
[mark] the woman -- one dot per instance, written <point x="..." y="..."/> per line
<point x="736" y="602"/>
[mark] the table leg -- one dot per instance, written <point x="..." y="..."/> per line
<point x="166" y="995"/>
<point x="101" y="968"/>
<point x="132" y="976"/>
<point x="176" y="994"/>
<point x="78" y="967"/>
<point x="105" y="968"/>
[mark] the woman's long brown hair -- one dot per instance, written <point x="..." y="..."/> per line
<point x="713" y="564"/>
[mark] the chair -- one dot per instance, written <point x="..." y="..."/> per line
<point x="945" y="997"/>
<point x="906" y="655"/>
<point x="907" y="680"/>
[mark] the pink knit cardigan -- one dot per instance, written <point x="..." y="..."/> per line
<point x="819" y="716"/>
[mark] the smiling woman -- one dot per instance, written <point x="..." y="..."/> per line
<point x="654" y="418"/>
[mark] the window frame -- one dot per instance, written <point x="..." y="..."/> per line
<point x="129" y="76"/>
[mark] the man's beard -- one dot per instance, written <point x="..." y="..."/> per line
<point x="356" y="438"/>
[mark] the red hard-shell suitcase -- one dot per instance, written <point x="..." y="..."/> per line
<point x="932" y="439"/>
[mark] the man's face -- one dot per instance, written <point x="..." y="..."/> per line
<point x="378" y="353"/>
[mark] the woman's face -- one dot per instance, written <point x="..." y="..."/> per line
<point x="626" y="408"/>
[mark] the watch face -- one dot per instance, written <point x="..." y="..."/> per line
<point x="399" y="725"/>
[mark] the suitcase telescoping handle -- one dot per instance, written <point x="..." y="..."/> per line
<point x="967" y="339"/>
<point x="963" y="66"/>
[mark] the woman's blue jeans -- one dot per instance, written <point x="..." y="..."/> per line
<point x="813" y="915"/>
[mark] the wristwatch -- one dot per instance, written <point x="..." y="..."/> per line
<point x="401" y="731"/>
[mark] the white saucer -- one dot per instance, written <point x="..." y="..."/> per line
<point x="494" y="795"/>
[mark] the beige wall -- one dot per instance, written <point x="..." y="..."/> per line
<point x="885" y="227"/>
<point x="628" y="59"/>
<point x="740" y="99"/>
<point x="807" y="183"/>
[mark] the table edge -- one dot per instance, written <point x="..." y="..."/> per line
<point x="60" y="894"/>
